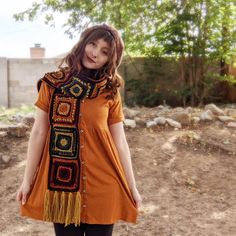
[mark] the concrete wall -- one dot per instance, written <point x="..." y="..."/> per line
<point x="4" y="99"/>
<point x="18" y="79"/>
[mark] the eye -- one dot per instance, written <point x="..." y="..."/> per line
<point x="105" y="53"/>
<point x="92" y="43"/>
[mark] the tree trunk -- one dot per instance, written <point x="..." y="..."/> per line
<point x="224" y="68"/>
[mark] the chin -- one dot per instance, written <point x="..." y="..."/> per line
<point x="89" y="66"/>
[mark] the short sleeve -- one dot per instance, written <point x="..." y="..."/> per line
<point x="116" y="111"/>
<point x="43" y="98"/>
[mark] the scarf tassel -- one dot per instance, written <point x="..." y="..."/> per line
<point x="62" y="207"/>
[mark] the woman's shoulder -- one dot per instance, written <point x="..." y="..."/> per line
<point x="55" y="78"/>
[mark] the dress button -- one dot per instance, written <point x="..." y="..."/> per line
<point x="84" y="205"/>
<point x="81" y="131"/>
<point x="82" y="100"/>
<point x="80" y="114"/>
<point x="84" y="190"/>
<point x="82" y="146"/>
<point x="84" y="177"/>
<point x="82" y="162"/>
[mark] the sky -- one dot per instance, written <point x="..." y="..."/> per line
<point x="17" y="37"/>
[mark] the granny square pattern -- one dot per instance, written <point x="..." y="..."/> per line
<point x="64" y="109"/>
<point x="76" y="88"/>
<point x="64" y="142"/>
<point x="64" y="175"/>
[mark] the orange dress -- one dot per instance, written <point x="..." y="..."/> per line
<point x="105" y="196"/>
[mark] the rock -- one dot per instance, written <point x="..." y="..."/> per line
<point x="160" y="107"/>
<point x="150" y="124"/>
<point x="18" y="130"/>
<point x="189" y="137"/>
<point x="140" y="121"/>
<point x="16" y="118"/>
<point x="178" y="109"/>
<point x="215" y="110"/>
<point x="6" y="158"/>
<point x="28" y="119"/>
<point x="183" y="117"/>
<point x="162" y="112"/>
<point x="196" y="119"/>
<point x="130" y="113"/>
<point x="168" y="148"/>
<point x="173" y="123"/>
<point x="3" y="134"/>
<point x="226" y="118"/>
<point x="226" y="142"/>
<point x="189" y="109"/>
<point x="4" y="143"/>
<point x="232" y="124"/>
<point x="3" y="127"/>
<point x="190" y="183"/>
<point x="231" y="112"/>
<point x="160" y="120"/>
<point x="206" y="115"/>
<point x="130" y="123"/>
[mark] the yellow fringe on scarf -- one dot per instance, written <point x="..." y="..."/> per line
<point x="62" y="211"/>
<point x="47" y="213"/>
<point x="76" y="218"/>
<point x="55" y="207"/>
<point x="69" y="209"/>
<point x="62" y="207"/>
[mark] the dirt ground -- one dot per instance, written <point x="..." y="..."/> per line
<point x="187" y="179"/>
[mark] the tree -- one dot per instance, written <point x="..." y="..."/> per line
<point x="195" y="33"/>
<point x="132" y="18"/>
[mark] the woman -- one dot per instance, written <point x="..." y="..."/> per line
<point x="79" y="172"/>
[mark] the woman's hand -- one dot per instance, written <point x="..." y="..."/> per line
<point x="137" y="197"/>
<point x="23" y="192"/>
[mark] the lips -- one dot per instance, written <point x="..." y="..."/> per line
<point x="90" y="60"/>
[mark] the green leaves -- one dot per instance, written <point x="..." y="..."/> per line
<point x="192" y="31"/>
<point x="173" y="27"/>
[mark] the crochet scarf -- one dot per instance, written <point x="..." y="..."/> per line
<point x="63" y="197"/>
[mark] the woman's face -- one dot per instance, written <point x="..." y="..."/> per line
<point x="96" y="54"/>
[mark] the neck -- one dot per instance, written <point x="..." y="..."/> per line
<point x="91" y="73"/>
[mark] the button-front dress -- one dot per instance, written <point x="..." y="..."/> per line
<point x="104" y="195"/>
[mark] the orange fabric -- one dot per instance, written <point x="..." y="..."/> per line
<point x="105" y="196"/>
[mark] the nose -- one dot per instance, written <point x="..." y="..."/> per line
<point x="95" y="53"/>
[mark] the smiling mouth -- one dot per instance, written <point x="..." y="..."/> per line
<point x="90" y="60"/>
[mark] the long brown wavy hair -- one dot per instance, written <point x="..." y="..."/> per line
<point x="111" y="36"/>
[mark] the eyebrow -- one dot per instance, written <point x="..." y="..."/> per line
<point x="105" y="48"/>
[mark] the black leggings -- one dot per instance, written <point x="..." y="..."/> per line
<point x="83" y="230"/>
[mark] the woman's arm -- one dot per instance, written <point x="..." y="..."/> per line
<point x="118" y="135"/>
<point x="34" y="153"/>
